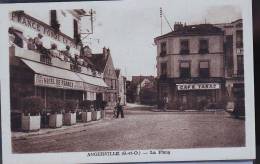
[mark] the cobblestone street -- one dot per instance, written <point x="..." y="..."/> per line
<point x="142" y="129"/>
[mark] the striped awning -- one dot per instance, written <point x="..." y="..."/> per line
<point x="50" y="76"/>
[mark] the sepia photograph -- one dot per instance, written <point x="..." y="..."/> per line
<point x="130" y="79"/>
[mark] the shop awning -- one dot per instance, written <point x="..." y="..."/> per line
<point x="47" y="70"/>
<point x="50" y="76"/>
<point x="92" y="80"/>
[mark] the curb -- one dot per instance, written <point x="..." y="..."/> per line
<point x="64" y="129"/>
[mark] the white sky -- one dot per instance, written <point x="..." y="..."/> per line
<point x="128" y="27"/>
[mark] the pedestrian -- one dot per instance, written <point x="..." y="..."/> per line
<point x="119" y="109"/>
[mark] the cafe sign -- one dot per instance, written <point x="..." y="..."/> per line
<point x="198" y="86"/>
<point x="47" y="81"/>
<point x="42" y="28"/>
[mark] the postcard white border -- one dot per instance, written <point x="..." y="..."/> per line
<point x="247" y="152"/>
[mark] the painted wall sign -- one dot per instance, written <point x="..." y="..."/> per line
<point x="47" y="81"/>
<point x="42" y="28"/>
<point x="198" y="86"/>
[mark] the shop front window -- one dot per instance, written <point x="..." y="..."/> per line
<point x="185" y="70"/>
<point x="204" y="69"/>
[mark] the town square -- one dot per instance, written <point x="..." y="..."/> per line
<point x="89" y="79"/>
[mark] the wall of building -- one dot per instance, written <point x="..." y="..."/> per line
<point x="173" y="57"/>
<point x="66" y="27"/>
<point x="230" y="29"/>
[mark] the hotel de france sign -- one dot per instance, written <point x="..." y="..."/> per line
<point x="41" y="27"/>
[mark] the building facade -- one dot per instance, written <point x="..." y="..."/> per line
<point x="190" y="66"/>
<point x="46" y="58"/>
<point x="121" y="90"/>
<point x="104" y="63"/>
<point x="234" y="59"/>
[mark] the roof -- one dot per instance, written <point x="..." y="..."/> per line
<point x="200" y="29"/>
<point x="99" y="61"/>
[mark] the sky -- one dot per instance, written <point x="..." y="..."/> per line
<point x="128" y="27"/>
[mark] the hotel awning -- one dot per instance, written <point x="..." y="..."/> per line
<point x="50" y="76"/>
<point x="92" y="80"/>
<point x="47" y="70"/>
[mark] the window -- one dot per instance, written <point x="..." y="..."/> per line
<point x="54" y="21"/>
<point x="204" y="46"/>
<point x="164" y="69"/>
<point x="163" y="49"/>
<point x="184" y="47"/>
<point x="239" y="39"/>
<point x="240" y="65"/>
<point x="18" y="38"/>
<point x="204" y="69"/>
<point x="112" y="84"/>
<point x="76" y="29"/>
<point x="185" y="70"/>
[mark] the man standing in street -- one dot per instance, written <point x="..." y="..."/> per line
<point x="119" y="110"/>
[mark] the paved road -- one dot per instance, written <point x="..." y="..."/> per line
<point x="143" y="130"/>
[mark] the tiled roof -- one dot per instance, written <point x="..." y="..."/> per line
<point x="99" y="61"/>
<point x="200" y="29"/>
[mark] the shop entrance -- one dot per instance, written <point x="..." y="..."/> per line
<point x="99" y="97"/>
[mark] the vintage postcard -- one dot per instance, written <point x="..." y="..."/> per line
<point x="127" y="81"/>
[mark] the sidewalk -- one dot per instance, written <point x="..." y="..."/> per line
<point x="191" y="111"/>
<point x="63" y="130"/>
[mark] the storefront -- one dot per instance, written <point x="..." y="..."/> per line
<point x="52" y="82"/>
<point x="197" y="95"/>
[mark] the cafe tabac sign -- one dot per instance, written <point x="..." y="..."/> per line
<point x="198" y="86"/>
<point x="41" y="27"/>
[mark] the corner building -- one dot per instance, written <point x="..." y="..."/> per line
<point x="190" y="66"/>
<point x="33" y="74"/>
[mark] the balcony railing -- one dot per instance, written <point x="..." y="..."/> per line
<point x="239" y="44"/>
<point x="37" y="57"/>
<point x="203" y="51"/>
<point x="185" y="51"/>
<point x="75" y="67"/>
<point x="162" y="54"/>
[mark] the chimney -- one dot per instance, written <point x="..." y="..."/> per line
<point x="104" y="51"/>
<point x="108" y="51"/>
<point x="178" y="26"/>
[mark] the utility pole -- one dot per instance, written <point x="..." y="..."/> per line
<point x="161" y="18"/>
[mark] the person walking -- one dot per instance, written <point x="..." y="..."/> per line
<point x="119" y="110"/>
